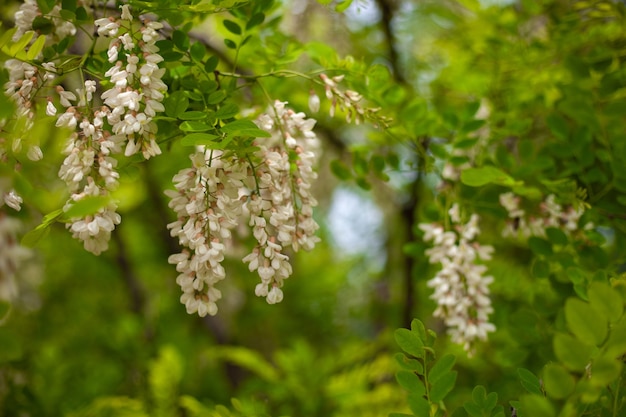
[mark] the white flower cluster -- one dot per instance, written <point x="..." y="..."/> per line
<point x="271" y="191"/>
<point x="27" y="13"/>
<point x="26" y="80"/>
<point x="551" y="214"/>
<point x="461" y="289"/>
<point x="12" y="254"/>
<point x="123" y="123"/>
<point x="349" y="101"/>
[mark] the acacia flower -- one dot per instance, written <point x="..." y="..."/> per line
<point x="460" y="288"/>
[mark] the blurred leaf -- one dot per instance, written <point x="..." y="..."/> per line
<point x="585" y="321"/>
<point x="606" y="301"/>
<point x="558" y="382"/>
<point x="232" y="27"/>
<point x="192" y="126"/>
<point x="340" y="169"/>
<point x="205" y="139"/>
<point x="247" y="359"/>
<point x="477" y="177"/>
<point x="85" y="207"/>
<point x="540" y="246"/>
<point x="176" y="104"/>
<point x="529" y="381"/>
<point x="536" y="406"/>
<point x="573" y="353"/>
<point x="245" y="127"/>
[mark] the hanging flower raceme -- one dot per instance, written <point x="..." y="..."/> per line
<point x="136" y="90"/>
<point x="123" y="124"/>
<point x="461" y="288"/>
<point x="549" y="214"/>
<point x="270" y="191"/>
<point x="12" y="254"/>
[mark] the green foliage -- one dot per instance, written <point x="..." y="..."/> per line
<point x="427" y="379"/>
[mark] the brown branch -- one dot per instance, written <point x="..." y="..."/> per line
<point x="388" y="9"/>
<point x="133" y="284"/>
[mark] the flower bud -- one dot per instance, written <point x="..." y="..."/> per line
<point x="314" y="101"/>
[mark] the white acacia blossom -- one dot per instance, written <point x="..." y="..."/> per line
<point x="271" y="192"/>
<point x="122" y="124"/>
<point x="550" y="214"/>
<point x="348" y="101"/>
<point x="461" y="288"/>
<point x="13" y="256"/>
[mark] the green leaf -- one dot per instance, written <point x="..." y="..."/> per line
<point x="473" y="410"/>
<point x="33" y="237"/>
<point x="181" y="40"/>
<point x="81" y="14"/>
<point x="442" y="387"/>
<point x="540" y="269"/>
<point x="36" y="48"/>
<point x="540" y="246"/>
<point x="419" y="405"/>
<point x="7" y="36"/>
<point x="191" y="126"/>
<point x="573" y="353"/>
<point x="320" y="52"/>
<point x="43" y="25"/>
<point x="227" y="111"/>
<point x="576" y="275"/>
<point x="193" y="115"/>
<point x="529" y="381"/>
<point x="558" y="382"/>
<point x="418" y="327"/>
<point x="585" y="322"/>
<point x="536" y="406"/>
<point x="67" y="15"/>
<point x="216" y="97"/>
<point x="558" y="126"/>
<point x="342" y="6"/>
<point x="409" y="364"/>
<point x="69" y="5"/>
<point x="230" y="44"/>
<point x="45" y="6"/>
<point x="255" y="20"/>
<point x="477" y="177"/>
<point x="605" y="370"/>
<point x="5" y="306"/>
<point x="86" y="206"/>
<point x="195" y="139"/>
<point x="479" y="393"/>
<point x="232" y="27"/>
<point x="176" y="104"/>
<point x="20" y="45"/>
<point x="246" y="359"/>
<point x="557" y="236"/>
<point x="605" y="300"/>
<point x="340" y="169"/>
<point x="197" y="51"/>
<point x="211" y="64"/>
<point x="246" y="128"/>
<point x="363" y="183"/>
<point x="410" y="382"/>
<point x="616" y="343"/>
<point x="409" y="342"/>
<point x="441" y="368"/>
